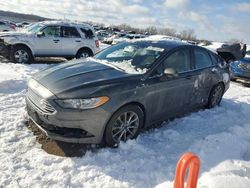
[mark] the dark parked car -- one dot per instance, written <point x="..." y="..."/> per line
<point x="241" y="68"/>
<point x="124" y="89"/>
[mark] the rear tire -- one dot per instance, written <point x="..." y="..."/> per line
<point x="84" y="53"/>
<point x="215" y="96"/>
<point x="21" y="54"/>
<point x="125" y="124"/>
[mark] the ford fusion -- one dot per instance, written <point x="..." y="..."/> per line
<point x="124" y="89"/>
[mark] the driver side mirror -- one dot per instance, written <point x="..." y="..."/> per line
<point x="40" y="34"/>
<point x="170" y="72"/>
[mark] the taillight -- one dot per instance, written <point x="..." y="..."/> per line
<point x="13" y="26"/>
<point x="97" y="44"/>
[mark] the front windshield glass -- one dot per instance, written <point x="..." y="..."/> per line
<point x="132" y="57"/>
<point x="34" y="28"/>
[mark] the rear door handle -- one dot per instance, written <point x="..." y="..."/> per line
<point x="56" y="40"/>
<point x="78" y="41"/>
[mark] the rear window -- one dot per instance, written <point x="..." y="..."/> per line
<point x="202" y="59"/>
<point x="215" y="59"/>
<point x="70" y="32"/>
<point x="88" y="33"/>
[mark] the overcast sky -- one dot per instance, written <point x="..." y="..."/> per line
<point x="212" y="19"/>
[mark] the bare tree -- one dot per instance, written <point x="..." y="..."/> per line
<point x="188" y="34"/>
<point x="233" y="40"/>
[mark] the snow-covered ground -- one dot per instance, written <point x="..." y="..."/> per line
<point x="220" y="137"/>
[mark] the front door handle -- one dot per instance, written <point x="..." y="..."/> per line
<point x="56" y="40"/>
<point x="78" y="40"/>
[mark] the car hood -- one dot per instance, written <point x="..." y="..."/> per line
<point x="15" y="34"/>
<point x="68" y="79"/>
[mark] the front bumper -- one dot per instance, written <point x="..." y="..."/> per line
<point x="70" y="125"/>
<point x="4" y="48"/>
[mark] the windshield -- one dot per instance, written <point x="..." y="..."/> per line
<point x="133" y="57"/>
<point x="34" y="28"/>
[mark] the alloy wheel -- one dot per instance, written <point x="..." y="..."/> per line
<point x="216" y="95"/>
<point x="21" y="56"/>
<point x="84" y="55"/>
<point x="125" y="126"/>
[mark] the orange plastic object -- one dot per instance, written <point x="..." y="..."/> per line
<point x="191" y="162"/>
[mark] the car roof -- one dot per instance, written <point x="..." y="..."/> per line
<point x="65" y="23"/>
<point x="166" y="44"/>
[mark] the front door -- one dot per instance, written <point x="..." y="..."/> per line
<point x="168" y="96"/>
<point x="49" y="44"/>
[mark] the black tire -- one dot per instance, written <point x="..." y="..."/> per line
<point x="233" y="79"/>
<point x="69" y="58"/>
<point x="84" y="53"/>
<point x="24" y="52"/>
<point x="110" y="136"/>
<point x="215" y="96"/>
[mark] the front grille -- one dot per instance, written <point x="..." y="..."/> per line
<point x="41" y="104"/>
<point x="245" y="67"/>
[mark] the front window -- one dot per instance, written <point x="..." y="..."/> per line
<point x="131" y="56"/>
<point x="179" y="61"/>
<point x="51" y="31"/>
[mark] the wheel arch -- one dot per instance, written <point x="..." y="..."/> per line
<point x="85" y="48"/>
<point x="140" y="105"/>
<point x="220" y="82"/>
<point x="24" y="45"/>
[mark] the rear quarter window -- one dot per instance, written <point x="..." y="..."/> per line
<point x="88" y="33"/>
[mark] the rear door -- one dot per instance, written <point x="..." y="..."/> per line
<point x="170" y="96"/>
<point x="71" y="40"/>
<point x="207" y="74"/>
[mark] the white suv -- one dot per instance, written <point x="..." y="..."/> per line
<point x="49" y="39"/>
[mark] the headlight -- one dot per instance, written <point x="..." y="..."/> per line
<point x="83" y="103"/>
<point x="39" y="89"/>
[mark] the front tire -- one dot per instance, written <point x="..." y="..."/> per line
<point x="125" y="124"/>
<point x="215" y="96"/>
<point x="21" y="54"/>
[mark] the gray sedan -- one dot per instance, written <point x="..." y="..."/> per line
<point x="124" y="89"/>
